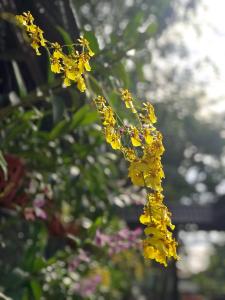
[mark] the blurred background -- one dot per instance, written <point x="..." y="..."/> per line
<point x="68" y="214"/>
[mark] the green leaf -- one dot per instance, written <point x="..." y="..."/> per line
<point x="120" y="72"/>
<point x="33" y="114"/>
<point x="95" y="86"/>
<point x="36" y="289"/>
<point x="25" y="294"/>
<point x="3" y="165"/>
<point x="39" y="263"/>
<point x="131" y="29"/>
<point x="84" y="116"/>
<point x="152" y="29"/>
<point x="59" y="129"/>
<point x="90" y="36"/>
<point x="19" y="79"/>
<point x="97" y="224"/>
<point x="66" y="38"/>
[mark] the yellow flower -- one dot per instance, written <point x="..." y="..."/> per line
<point x="151" y="252"/>
<point x="73" y="66"/>
<point x="145" y="219"/>
<point x="129" y="154"/>
<point x="155" y="148"/>
<point x="113" y="138"/>
<point x="153" y="179"/>
<point x="66" y="82"/>
<point x="159" y="244"/>
<point x="57" y="53"/>
<point x="148" y="173"/>
<point x="71" y="74"/>
<point x="83" y="63"/>
<point x="136" y="172"/>
<point x="147" y="133"/>
<point x="34" y="32"/>
<point x="108" y="116"/>
<point x="84" y="42"/>
<point x="135" y="137"/>
<point x="100" y="102"/>
<point x="149" y="114"/>
<point x="25" y="18"/>
<point x="35" y="45"/>
<point x="81" y="84"/>
<point x="128" y="100"/>
<point x="55" y="65"/>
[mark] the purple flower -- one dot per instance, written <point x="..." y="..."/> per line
<point x="101" y="239"/>
<point x="40" y="213"/>
<point x="75" y="262"/>
<point x="87" y="286"/>
<point x="39" y="202"/>
<point x="120" y="241"/>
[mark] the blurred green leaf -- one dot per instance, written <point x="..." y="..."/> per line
<point x="19" y="79"/>
<point x="84" y="116"/>
<point x="59" y="129"/>
<point x="36" y="289"/>
<point x="66" y="37"/>
<point x="131" y="30"/>
<point x="90" y="36"/>
<point x="95" y="86"/>
<point x="96" y="224"/>
<point x="26" y="295"/>
<point x="152" y="29"/>
<point x="120" y="72"/>
<point x="38" y="264"/>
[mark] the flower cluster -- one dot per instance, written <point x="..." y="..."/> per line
<point x="34" y="32"/>
<point x="141" y="145"/>
<point x="82" y="257"/>
<point x="122" y="240"/>
<point x="72" y="66"/>
<point x="159" y="243"/>
<point x="87" y="286"/>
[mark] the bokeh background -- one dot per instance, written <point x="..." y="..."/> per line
<point x="68" y="213"/>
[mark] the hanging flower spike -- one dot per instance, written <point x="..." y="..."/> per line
<point x="145" y="170"/>
<point x="34" y="32"/>
<point x="73" y="66"/>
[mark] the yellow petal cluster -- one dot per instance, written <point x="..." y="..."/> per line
<point x="142" y="147"/>
<point x="147" y="170"/>
<point x="159" y="243"/>
<point x="148" y="113"/>
<point x="128" y="99"/>
<point x="112" y="135"/>
<point x="72" y="66"/>
<point x="33" y="31"/>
